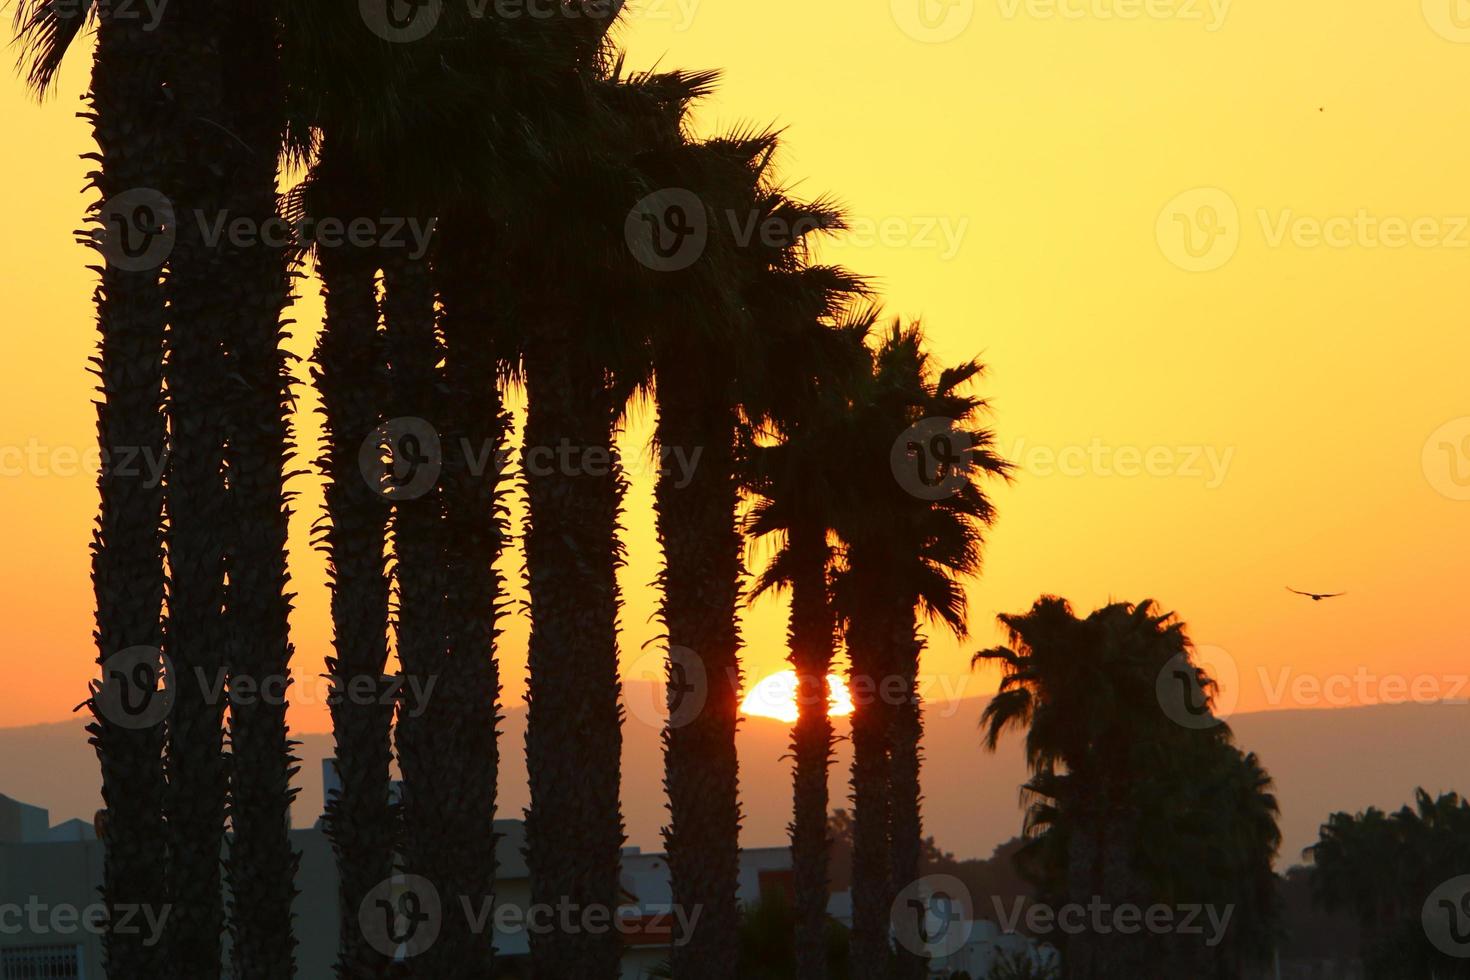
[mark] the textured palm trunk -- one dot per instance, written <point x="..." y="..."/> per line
<point x="475" y="532"/>
<point x="198" y="285"/>
<point x="360" y="817"/>
<point x="906" y="730"/>
<point x="1122" y="955"/>
<point x="129" y="107"/>
<point x="1085" y="847"/>
<point x="262" y="864"/>
<point x="424" y="735"/>
<point x="872" y="805"/>
<point x="574" y="827"/>
<point x="811" y="636"/>
<point x="695" y="501"/>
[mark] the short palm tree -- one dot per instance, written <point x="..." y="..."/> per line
<point x="1126" y="804"/>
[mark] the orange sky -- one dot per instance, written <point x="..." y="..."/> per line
<point x="1204" y="421"/>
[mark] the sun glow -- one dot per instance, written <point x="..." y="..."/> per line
<point x="775" y="697"/>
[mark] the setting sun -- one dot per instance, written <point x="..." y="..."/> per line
<point x="775" y="697"/>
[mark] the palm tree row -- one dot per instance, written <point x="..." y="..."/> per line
<point x="531" y="146"/>
<point x="192" y="328"/>
<point x="1401" y="874"/>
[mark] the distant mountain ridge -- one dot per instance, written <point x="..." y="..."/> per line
<point x="1322" y="760"/>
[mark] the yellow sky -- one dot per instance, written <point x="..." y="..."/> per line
<point x="1201" y="420"/>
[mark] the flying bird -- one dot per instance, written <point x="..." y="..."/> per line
<point x="1316" y="596"/>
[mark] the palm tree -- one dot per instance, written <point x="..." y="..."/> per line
<point x="1125" y="804"/>
<point x="474" y="534"/>
<point x="254" y="292"/>
<point x="801" y="488"/>
<point x="1385" y="868"/>
<point x="584" y="350"/>
<point x="907" y="553"/>
<point x="1066" y="682"/>
<point x="697" y="494"/>
<point x="350" y="373"/>
<point x="130" y="113"/>
<point x="695" y="503"/>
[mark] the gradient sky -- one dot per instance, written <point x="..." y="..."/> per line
<point x="1282" y="398"/>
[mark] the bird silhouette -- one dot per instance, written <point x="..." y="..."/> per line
<point x="1316" y="596"/>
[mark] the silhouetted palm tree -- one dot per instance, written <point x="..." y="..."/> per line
<point x="350" y="374"/>
<point x="709" y="353"/>
<point x="907" y="554"/>
<point x="1126" y="804"/>
<point x="801" y="486"/>
<point x="256" y="394"/>
<point x="697" y="322"/>
<point x="131" y="114"/>
<point x="1082" y="701"/>
<point x="584" y="351"/>
<point x="198" y="530"/>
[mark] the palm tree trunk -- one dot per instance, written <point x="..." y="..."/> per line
<point x="872" y="805"/>
<point x="906" y="729"/>
<point x="199" y="306"/>
<point x="1123" y="955"/>
<point x="697" y="526"/>
<point x="424" y="735"/>
<point x="349" y="373"/>
<point x="811" y="635"/>
<point x="129" y="106"/>
<point x="1085" y="848"/>
<point x="475" y="531"/>
<point x="574" y="828"/>
<point x="262" y="863"/>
